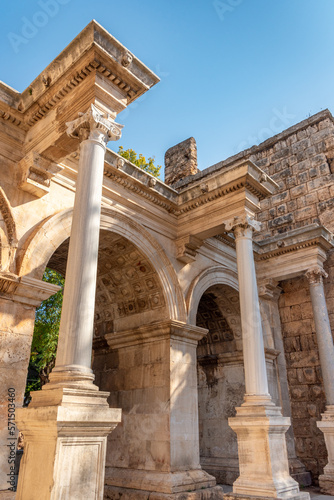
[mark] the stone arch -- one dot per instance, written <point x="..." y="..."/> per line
<point x="8" y="239"/>
<point x="213" y="303"/>
<point x="217" y="275"/>
<point x="52" y="232"/>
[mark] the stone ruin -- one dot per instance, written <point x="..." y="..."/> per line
<point x="195" y="346"/>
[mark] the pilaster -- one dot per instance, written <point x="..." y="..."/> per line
<point x="269" y="293"/>
<point x="19" y="297"/>
<point x="156" y="451"/>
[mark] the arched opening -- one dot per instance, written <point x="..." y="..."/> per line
<point x="220" y="380"/>
<point x="137" y="300"/>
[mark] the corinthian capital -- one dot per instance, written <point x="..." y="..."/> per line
<point x="94" y="125"/>
<point x="315" y="274"/>
<point x="242" y="225"/>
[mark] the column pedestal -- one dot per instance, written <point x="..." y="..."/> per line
<point x="326" y="425"/>
<point x="65" y="433"/>
<point x="263" y="460"/>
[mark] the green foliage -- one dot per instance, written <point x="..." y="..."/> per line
<point x="45" y="338"/>
<point x="140" y="161"/>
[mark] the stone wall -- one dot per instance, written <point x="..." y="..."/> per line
<point x="301" y="161"/>
<point x="181" y="161"/>
<point x="304" y="373"/>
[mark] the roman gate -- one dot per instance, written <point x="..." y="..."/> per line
<point x="196" y="316"/>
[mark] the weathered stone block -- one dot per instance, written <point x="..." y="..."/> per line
<point x="297" y="191"/>
<point x="279" y="221"/>
<point x="181" y="161"/>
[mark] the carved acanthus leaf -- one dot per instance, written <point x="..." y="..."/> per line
<point x="94" y="125"/>
<point x="316" y="274"/>
<point x="244" y="221"/>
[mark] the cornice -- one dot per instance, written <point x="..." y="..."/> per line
<point x="232" y="358"/>
<point x="95" y="65"/>
<point x="24" y="289"/>
<point x="93" y="51"/>
<point x="132" y="178"/>
<point x="226" y="239"/>
<point x="135" y="187"/>
<point x="301" y="238"/>
<point x="11" y="117"/>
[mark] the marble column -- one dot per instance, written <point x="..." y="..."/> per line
<point x="259" y="424"/>
<point x="67" y="423"/>
<point x="73" y="362"/>
<point x="326" y="353"/>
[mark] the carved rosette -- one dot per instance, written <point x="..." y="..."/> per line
<point x="242" y="226"/>
<point x="315" y="275"/>
<point x="94" y="126"/>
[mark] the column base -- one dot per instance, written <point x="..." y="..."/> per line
<point x="263" y="461"/>
<point x="238" y="496"/>
<point x="326" y="425"/>
<point x="225" y="470"/>
<point x="65" y="432"/>
<point x="299" y="473"/>
<point x="135" y="484"/>
<point x="115" y="493"/>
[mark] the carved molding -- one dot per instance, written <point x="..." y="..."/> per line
<point x="269" y="289"/>
<point x="219" y="193"/>
<point x="287" y="249"/>
<point x="36" y="173"/>
<point x="7" y="215"/>
<point x="71" y="84"/>
<point x="173" y="207"/>
<point x="315" y="275"/>
<point x="164" y="330"/>
<point x="130" y="183"/>
<point x="94" y="125"/>
<point x="126" y="59"/>
<point x="186" y="248"/>
<point x="24" y="289"/>
<point x="5" y="115"/>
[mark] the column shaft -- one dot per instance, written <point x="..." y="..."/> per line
<point x="73" y="362"/>
<point x="76" y="326"/>
<point x="253" y="347"/>
<point x="323" y="331"/>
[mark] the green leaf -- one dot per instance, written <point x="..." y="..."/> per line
<point x="140" y="161"/>
<point x="45" y="337"/>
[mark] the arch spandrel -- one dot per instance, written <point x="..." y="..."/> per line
<point x="53" y="232"/>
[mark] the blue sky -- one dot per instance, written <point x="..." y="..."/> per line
<point x="233" y="72"/>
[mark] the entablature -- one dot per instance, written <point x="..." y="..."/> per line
<point x="291" y="254"/>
